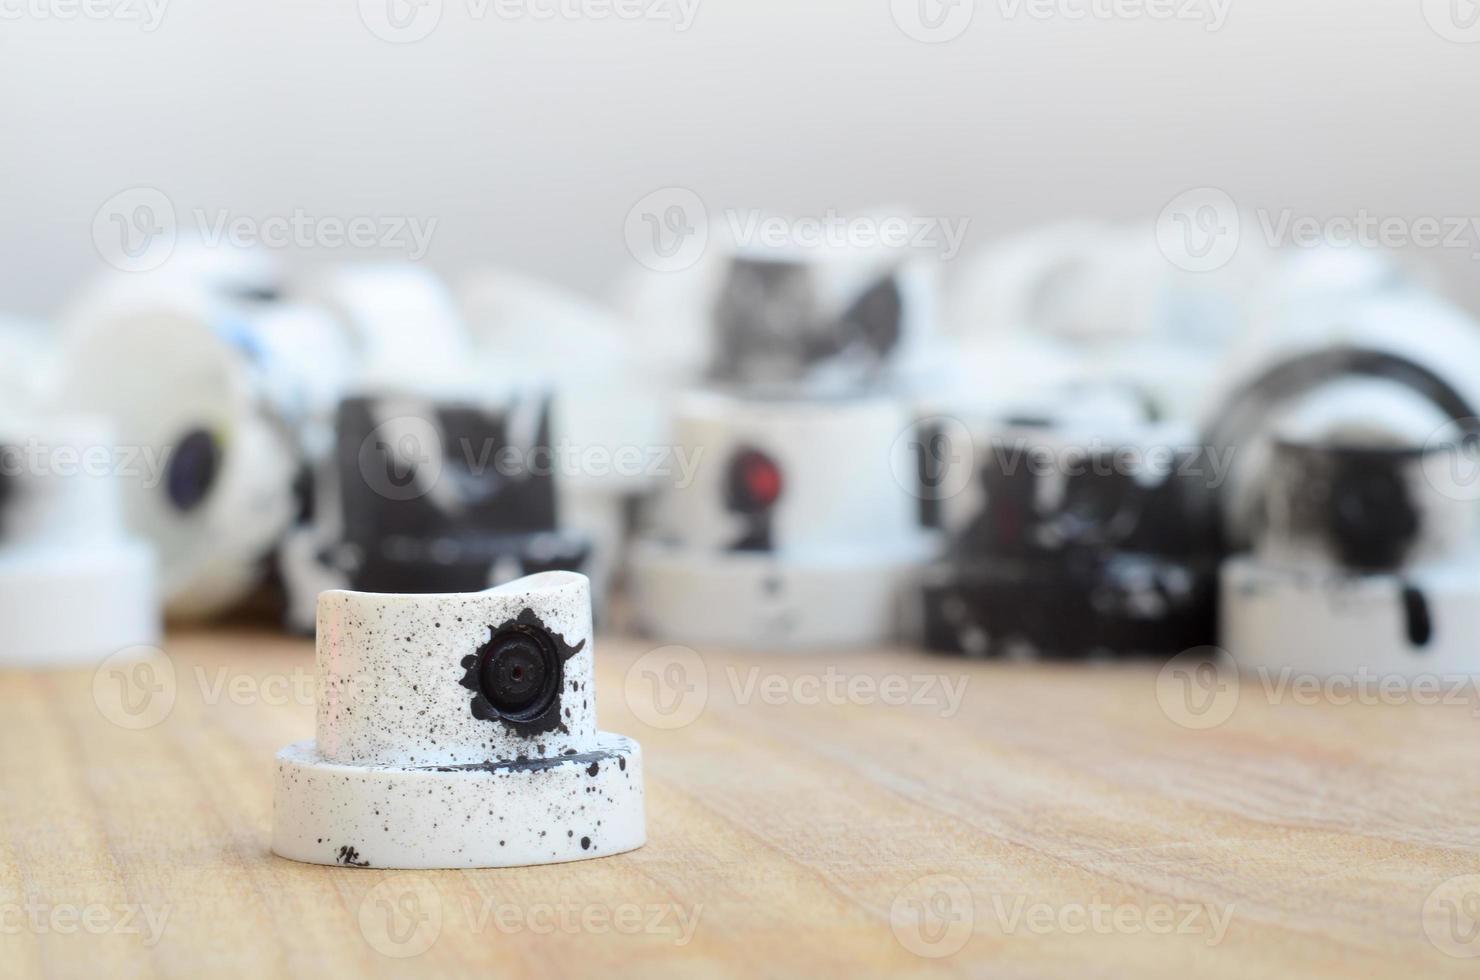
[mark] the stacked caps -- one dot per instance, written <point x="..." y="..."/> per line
<point x="792" y="526"/>
<point x="611" y="396"/>
<point x="1363" y="560"/>
<point x="428" y="495"/>
<point x="796" y="528"/>
<point x="1353" y="487"/>
<point x="216" y="363"/>
<point x="458" y="730"/>
<point x="436" y="479"/>
<point x="206" y="366"/>
<point x="74" y="587"/>
<point x="1079" y="541"/>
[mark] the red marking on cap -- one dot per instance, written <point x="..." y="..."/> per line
<point x="762" y="478"/>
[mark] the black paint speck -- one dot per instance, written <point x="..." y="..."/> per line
<point x="1419" y="619"/>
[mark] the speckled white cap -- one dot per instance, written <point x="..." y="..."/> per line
<point x="1420" y="623"/>
<point x="74" y="586"/>
<point x="416" y="766"/>
<point x="391" y="672"/>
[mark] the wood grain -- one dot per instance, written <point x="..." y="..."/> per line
<point x="1062" y="823"/>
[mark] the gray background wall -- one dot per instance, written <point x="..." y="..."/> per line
<point x="528" y="140"/>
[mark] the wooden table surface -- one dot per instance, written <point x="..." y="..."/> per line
<point x="891" y="813"/>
